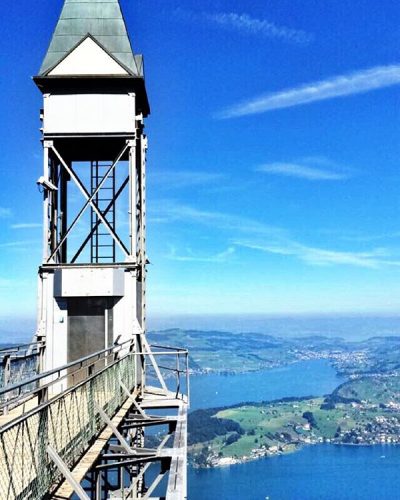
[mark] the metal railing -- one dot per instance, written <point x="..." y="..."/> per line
<point x="65" y="414"/>
<point x="171" y="362"/>
<point x="20" y="362"/>
<point x="18" y="392"/>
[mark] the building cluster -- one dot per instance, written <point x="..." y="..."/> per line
<point x="341" y="358"/>
<point x="382" y="430"/>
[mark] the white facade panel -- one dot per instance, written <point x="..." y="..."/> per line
<point x="125" y="323"/>
<point x="55" y="317"/>
<point x="89" y="114"/>
<point x="88" y="59"/>
<point x="89" y="282"/>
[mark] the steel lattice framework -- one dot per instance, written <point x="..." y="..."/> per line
<point x="87" y="439"/>
<point x="90" y="408"/>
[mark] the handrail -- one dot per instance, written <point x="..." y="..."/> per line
<point x="54" y="371"/>
<point x="175" y="349"/>
<point x="61" y="395"/>
<point x="65" y="416"/>
<point x="68" y="422"/>
<point x="176" y="370"/>
<point x="12" y="400"/>
<point x="15" y="357"/>
<point x="178" y="352"/>
<point x="18" y="347"/>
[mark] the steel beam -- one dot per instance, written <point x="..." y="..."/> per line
<point x="89" y="200"/>
<point x="62" y="467"/>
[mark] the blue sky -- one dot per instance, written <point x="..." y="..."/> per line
<point x="273" y="174"/>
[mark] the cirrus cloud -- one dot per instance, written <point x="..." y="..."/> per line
<point x="373" y="259"/>
<point x="243" y="232"/>
<point x="300" y="171"/>
<point x="357" y="82"/>
<point x="26" y="225"/>
<point x="251" y="25"/>
<point x="247" y="25"/>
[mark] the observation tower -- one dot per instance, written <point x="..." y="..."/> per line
<point x="90" y="408"/>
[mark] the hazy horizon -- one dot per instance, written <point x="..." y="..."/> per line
<point x="348" y="326"/>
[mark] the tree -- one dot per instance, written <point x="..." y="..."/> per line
<point x="232" y="438"/>
<point x="309" y="416"/>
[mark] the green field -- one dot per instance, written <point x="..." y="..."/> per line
<point x="374" y="390"/>
<point x="368" y="416"/>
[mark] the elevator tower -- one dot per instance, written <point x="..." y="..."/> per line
<point x="77" y="404"/>
<point x="93" y="274"/>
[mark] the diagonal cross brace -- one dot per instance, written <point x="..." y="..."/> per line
<point x="116" y="432"/>
<point x="108" y="208"/>
<point x="89" y="201"/>
<point x="144" y="469"/>
<point x="62" y="467"/>
<point x="148" y="351"/>
<point x="133" y="400"/>
<point x="154" y="485"/>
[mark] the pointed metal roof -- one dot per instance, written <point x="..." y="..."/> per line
<point x="104" y="21"/>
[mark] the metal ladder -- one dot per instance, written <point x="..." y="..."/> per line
<point x="102" y="245"/>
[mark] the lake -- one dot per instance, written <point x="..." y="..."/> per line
<point x="305" y="378"/>
<point x="324" y="472"/>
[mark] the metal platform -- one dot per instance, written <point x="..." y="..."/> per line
<point x="64" y="438"/>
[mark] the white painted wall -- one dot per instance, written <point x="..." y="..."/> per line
<point x="89" y="282"/>
<point x="89" y="113"/>
<point x="125" y="310"/>
<point x="88" y="58"/>
<point x="55" y="317"/>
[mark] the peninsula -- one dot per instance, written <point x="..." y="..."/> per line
<point x="365" y="411"/>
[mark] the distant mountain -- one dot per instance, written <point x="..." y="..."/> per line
<point x="225" y="352"/>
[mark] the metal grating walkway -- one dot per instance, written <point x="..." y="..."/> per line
<point x="55" y="442"/>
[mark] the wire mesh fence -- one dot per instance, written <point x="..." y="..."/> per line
<point x="18" y="364"/>
<point x="68" y="423"/>
<point x="63" y="411"/>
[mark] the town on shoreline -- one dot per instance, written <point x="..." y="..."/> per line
<point x="364" y="410"/>
<point x="252" y="431"/>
